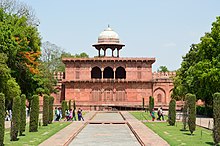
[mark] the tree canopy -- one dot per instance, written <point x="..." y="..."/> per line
<point x="200" y="70"/>
<point x="162" y="69"/>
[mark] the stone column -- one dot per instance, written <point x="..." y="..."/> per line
<point x="112" y="53"/>
<point x="99" y="53"/>
<point x="117" y="53"/>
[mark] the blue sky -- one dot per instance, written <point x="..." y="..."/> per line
<point x="163" y="29"/>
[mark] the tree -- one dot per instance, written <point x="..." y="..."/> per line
<point x="45" y="110"/>
<point x="15" y="123"/>
<point x="191" y="102"/>
<point x="216" y="118"/>
<point x="151" y="104"/>
<point x="20" y="9"/>
<point x="2" y="118"/>
<point x="162" y="69"/>
<point x="51" y="101"/>
<point x="34" y="114"/>
<point x="23" y="114"/>
<point x="21" y="43"/>
<point x="200" y="70"/>
<point x="172" y="112"/>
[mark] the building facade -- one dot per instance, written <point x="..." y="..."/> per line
<point x="112" y="81"/>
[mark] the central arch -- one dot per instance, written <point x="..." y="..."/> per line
<point x="108" y="73"/>
<point x="120" y="73"/>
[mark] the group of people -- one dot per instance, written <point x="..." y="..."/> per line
<point x="70" y="115"/>
<point x="160" y="114"/>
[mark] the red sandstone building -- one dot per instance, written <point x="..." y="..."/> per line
<point x="111" y="81"/>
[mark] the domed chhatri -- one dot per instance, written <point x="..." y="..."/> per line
<point x="108" y="36"/>
<point x="108" y="39"/>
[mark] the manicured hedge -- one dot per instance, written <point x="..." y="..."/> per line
<point x="15" y="123"/>
<point x="64" y="107"/>
<point x="45" y="110"/>
<point x="34" y="114"/>
<point x="151" y="103"/>
<point x="172" y="112"/>
<point x="70" y="104"/>
<point x="2" y="118"/>
<point x="191" y="102"/>
<point x="216" y="118"/>
<point x="51" y="100"/>
<point x="23" y="114"/>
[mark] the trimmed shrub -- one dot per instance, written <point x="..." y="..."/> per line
<point x="64" y="107"/>
<point x="2" y="118"/>
<point x="143" y="103"/>
<point x="200" y="110"/>
<point x="74" y="105"/>
<point x="172" y="112"/>
<point x="15" y="123"/>
<point x="191" y="102"/>
<point x="185" y="115"/>
<point x="23" y="114"/>
<point x="216" y="118"/>
<point x="151" y="104"/>
<point x="34" y="114"/>
<point x="70" y="104"/>
<point x="51" y="100"/>
<point x="45" y="110"/>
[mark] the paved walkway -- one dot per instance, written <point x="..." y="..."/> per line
<point x="125" y="130"/>
<point x="65" y="136"/>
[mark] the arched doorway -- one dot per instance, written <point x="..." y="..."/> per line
<point x="120" y="95"/>
<point x="96" y="73"/>
<point x="108" y="95"/>
<point x="120" y="73"/>
<point x="108" y="73"/>
<point x="96" y="95"/>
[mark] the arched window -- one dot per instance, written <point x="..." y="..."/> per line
<point x="120" y="73"/>
<point x="108" y="73"/>
<point x="159" y="98"/>
<point x="96" y="73"/>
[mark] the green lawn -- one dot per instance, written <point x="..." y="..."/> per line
<point x="145" y="116"/>
<point x="175" y="137"/>
<point x="35" y="138"/>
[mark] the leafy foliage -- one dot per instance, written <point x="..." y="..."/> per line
<point x="172" y="112"/>
<point x="162" y="69"/>
<point x="23" y="114"/>
<point x="45" y="110"/>
<point x="216" y="118"/>
<point x="20" y="42"/>
<point x="191" y="103"/>
<point x="200" y="70"/>
<point x="51" y="101"/>
<point x="2" y="118"/>
<point x="15" y="123"/>
<point x="34" y="114"/>
<point x="151" y="104"/>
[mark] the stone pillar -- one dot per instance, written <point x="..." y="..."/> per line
<point x="99" y="53"/>
<point x="112" y="53"/>
<point x="117" y="53"/>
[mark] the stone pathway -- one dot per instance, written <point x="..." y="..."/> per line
<point x="107" y="129"/>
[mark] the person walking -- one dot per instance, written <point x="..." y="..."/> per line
<point x="80" y="117"/>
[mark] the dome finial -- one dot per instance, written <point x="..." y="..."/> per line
<point x="108" y="26"/>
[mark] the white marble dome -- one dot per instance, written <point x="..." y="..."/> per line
<point x="108" y="36"/>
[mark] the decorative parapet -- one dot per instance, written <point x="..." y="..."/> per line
<point x="163" y="75"/>
<point x="59" y="76"/>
